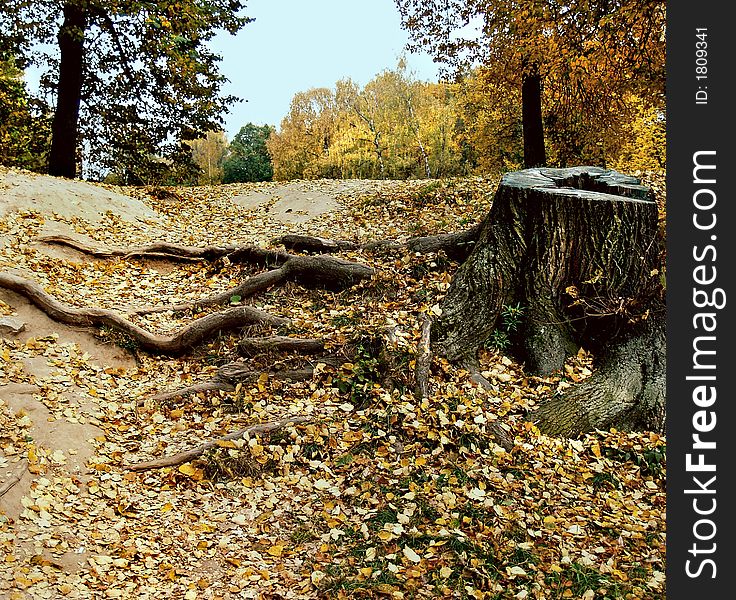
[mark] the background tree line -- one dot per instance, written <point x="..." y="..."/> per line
<point x="525" y="82"/>
<point x="397" y="127"/>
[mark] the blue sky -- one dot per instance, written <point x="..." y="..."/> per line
<point x="295" y="45"/>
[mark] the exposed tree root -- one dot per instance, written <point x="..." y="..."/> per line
<point x="278" y="343"/>
<point x="229" y="375"/>
<point x="422" y="370"/>
<point x="196" y="452"/>
<point x="250" y="287"/>
<point x="165" y="250"/>
<point x="310" y="243"/>
<point x="310" y="271"/>
<point x="424" y="360"/>
<point x="325" y="272"/>
<point x="456" y="245"/>
<point x="627" y="390"/>
<point x="470" y="364"/>
<point x="175" y="344"/>
<point x="212" y="385"/>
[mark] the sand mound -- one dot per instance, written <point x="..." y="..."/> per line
<point x="22" y="190"/>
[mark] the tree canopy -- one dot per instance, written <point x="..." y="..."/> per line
<point x="393" y="127"/>
<point x="23" y="124"/>
<point x="396" y="127"/>
<point x="248" y="158"/>
<point x="581" y="60"/>
<point x="131" y="79"/>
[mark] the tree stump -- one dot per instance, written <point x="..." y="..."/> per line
<point x="579" y="250"/>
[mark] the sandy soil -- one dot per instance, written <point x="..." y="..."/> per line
<point x="298" y="201"/>
<point x="22" y="191"/>
<point x="59" y="201"/>
<point x="62" y="204"/>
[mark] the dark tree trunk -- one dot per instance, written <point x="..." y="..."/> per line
<point x="579" y="250"/>
<point x="62" y="157"/>
<point x="531" y="119"/>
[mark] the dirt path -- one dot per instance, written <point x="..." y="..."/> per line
<point x="65" y="207"/>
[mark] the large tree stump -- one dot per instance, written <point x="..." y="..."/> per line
<point x="579" y="250"/>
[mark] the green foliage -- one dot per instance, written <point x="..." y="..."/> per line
<point x="578" y="579"/>
<point x="120" y="339"/>
<point x="511" y="317"/>
<point x="356" y="381"/>
<point x="224" y="464"/>
<point x="150" y="79"/>
<point x="248" y="158"/>
<point x="427" y="193"/>
<point x="651" y="461"/>
<point x="24" y="124"/>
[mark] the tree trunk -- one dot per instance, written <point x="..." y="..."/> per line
<point x="65" y="127"/>
<point x="626" y="391"/>
<point x="579" y="250"/>
<point x="531" y="119"/>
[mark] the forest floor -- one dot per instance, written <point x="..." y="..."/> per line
<point x="375" y="494"/>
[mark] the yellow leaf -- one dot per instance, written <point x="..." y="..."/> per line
<point x="226" y="444"/>
<point x="256" y="449"/>
<point x="277" y="549"/>
<point x="411" y="555"/>
<point x="262" y="380"/>
<point x="191" y="471"/>
<point x="352" y="436"/>
<point x="385" y="535"/>
<point x="317" y="576"/>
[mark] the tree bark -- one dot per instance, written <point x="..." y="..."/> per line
<point x="65" y="126"/>
<point x="456" y="245"/>
<point x="325" y="272"/>
<point x="579" y="250"/>
<point x="228" y="376"/>
<point x="626" y="391"/>
<point x="531" y="118"/>
<point x="196" y="452"/>
<point x="175" y="344"/>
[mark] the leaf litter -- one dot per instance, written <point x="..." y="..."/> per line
<point x="378" y="495"/>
